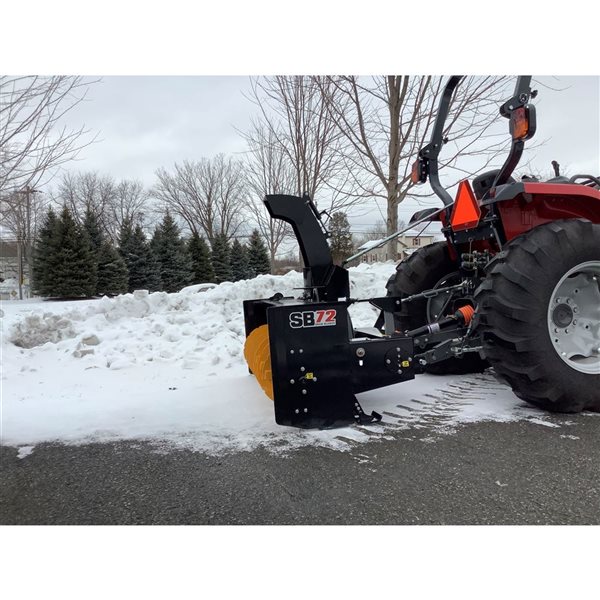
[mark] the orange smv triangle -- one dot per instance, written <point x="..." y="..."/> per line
<point x="466" y="212"/>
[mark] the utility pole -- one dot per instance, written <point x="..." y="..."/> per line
<point x="24" y="236"/>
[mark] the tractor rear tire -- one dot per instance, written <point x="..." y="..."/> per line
<point x="538" y="310"/>
<point x="421" y="271"/>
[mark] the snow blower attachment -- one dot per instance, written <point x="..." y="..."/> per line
<point x="304" y="352"/>
<point x="515" y="285"/>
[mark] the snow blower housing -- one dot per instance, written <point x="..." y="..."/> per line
<point x="304" y="352"/>
<point x="515" y="286"/>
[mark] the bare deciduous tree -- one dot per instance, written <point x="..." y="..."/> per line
<point x="129" y="202"/>
<point x="294" y="112"/>
<point x="91" y="191"/>
<point x="21" y="213"/>
<point x="208" y="194"/>
<point x="111" y="203"/>
<point x="268" y="171"/>
<point x="32" y="141"/>
<point x="386" y="120"/>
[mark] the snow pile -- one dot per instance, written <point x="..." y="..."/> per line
<point x="170" y="368"/>
<point x="193" y="328"/>
<point x="37" y="329"/>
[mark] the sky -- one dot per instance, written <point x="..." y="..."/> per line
<point x="146" y="122"/>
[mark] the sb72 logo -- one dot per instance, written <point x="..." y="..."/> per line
<point x="312" y="318"/>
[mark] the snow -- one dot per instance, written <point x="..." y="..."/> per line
<point x="169" y="368"/>
<point x="370" y="244"/>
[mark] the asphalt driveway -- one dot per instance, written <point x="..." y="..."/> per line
<point x="484" y="473"/>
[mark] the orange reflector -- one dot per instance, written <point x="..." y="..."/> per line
<point x="466" y="212"/>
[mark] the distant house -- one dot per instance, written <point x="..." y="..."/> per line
<point x="407" y="243"/>
<point x="9" y="272"/>
<point x="9" y="263"/>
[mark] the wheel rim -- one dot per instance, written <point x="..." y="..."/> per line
<point x="574" y="318"/>
<point x="436" y="306"/>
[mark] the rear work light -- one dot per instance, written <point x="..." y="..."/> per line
<point x="522" y="123"/>
<point x="466" y="212"/>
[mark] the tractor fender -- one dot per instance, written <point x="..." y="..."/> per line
<point x="523" y="206"/>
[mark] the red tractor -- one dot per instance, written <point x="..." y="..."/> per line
<point x="515" y="286"/>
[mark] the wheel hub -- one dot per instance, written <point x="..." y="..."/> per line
<point x="574" y="318"/>
<point x="562" y="315"/>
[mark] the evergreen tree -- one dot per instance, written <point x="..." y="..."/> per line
<point x="258" y="257"/>
<point x="74" y="269"/>
<point x="125" y="237"/>
<point x="221" y="260"/>
<point x="172" y="255"/>
<point x="148" y="263"/>
<point x="112" y="271"/>
<point x="141" y="264"/>
<point x="92" y="227"/>
<point x="44" y="252"/>
<point x="240" y="268"/>
<point x="340" y="238"/>
<point x="201" y="263"/>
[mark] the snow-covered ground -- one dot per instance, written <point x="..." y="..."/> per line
<point x="170" y="368"/>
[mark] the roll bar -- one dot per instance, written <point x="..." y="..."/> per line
<point x="428" y="167"/>
<point x="429" y="154"/>
<point x="520" y="99"/>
